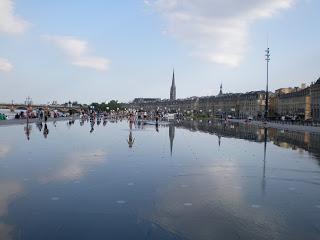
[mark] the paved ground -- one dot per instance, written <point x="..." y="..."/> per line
<point x="289" y="127"/>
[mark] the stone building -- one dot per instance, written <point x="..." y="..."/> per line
<point x="146" y="100"/>
<point x="315" y="100"/>
<point x="252" y="104"/>
<point x="299" y="102"/>
<point x="295" y="104"/>
<point x="226" y="104"/>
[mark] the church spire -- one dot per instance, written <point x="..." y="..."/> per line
<point x="173" y="80"/>
<point x="173" y="88"/>
<point x="220" y="92"/>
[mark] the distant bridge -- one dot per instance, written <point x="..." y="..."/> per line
<point x="17" y="106"/>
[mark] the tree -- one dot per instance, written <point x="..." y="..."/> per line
<point x="112" y="105"/>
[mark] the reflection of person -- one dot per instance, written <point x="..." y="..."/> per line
<point x="27" y="130"/>
<point x="130" y="140"/>
<point x="39" y="125"/>
<point x="45" y="131"/>
<point x="92" y="125"/>
<point x="157" y="127"/>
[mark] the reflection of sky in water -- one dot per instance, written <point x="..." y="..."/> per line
<point x="171" y="184"/>
<point x="4" y="150"/>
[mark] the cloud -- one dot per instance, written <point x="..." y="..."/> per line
<point x="75" y="166"/>
<point x="9" y="22"/>
<point x="78" y="51"/>
<point x="6" y="231"/>
<point x="216" y="30"/>
<point x="5" y="66"/>
<point x="8" y="191"/>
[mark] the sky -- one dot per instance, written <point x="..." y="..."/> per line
<point x="98" y="50"/>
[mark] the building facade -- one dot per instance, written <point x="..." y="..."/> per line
<point x="315" y="100"/>
<point x="295" y="104"/>
<point x="300" y="103"/>
<point x="252" y="104"/>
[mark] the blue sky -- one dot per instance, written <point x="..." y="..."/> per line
<point x="100" y="50"/>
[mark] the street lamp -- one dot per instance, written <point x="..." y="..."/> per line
<point x="266" y="110"/>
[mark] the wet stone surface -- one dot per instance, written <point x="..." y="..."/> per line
<point x="188" y="180"/>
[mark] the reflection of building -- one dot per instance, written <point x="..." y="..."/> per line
<point x="247" y="132"/>
<point x="171" y="136"/>
<point x="294" y="140"/>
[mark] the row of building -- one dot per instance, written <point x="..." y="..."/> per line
<point x="298" y="103"/>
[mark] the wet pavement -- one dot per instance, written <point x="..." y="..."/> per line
<point x="191" y="180"/>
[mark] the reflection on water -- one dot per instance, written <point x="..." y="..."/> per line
<point x="295" y="140"/>
<point x="171" y="136"/>
<point x="75" y="166"/>
<point x="4" y="150"/>
<point x="91" y="179"/>
<point x="130" y="139"/>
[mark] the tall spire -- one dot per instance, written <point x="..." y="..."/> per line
<point x="173" y="88"/>
<point x="220" y="92"/>
<point x="173" y="80"/>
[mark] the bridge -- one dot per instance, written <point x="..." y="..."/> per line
<point x="61" y="108"/>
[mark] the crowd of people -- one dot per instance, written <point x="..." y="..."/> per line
<point x="39" y="113"/>
<point x="136" y="119"/>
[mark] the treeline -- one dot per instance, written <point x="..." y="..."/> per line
<point x="112" y="105"/>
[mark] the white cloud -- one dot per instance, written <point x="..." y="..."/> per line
<point x="75" y="166"/>
<point x="5" y="66"/>
<point x="78" y="51"/>
<point x="216" y="30"/>
<point x="9" y="22"/>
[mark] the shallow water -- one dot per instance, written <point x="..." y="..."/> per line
<point x="194" y="180"/>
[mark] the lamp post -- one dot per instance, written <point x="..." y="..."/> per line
<point x="266" y="110"/>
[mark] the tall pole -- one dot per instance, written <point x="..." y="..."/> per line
<point x="266" y="110"/>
